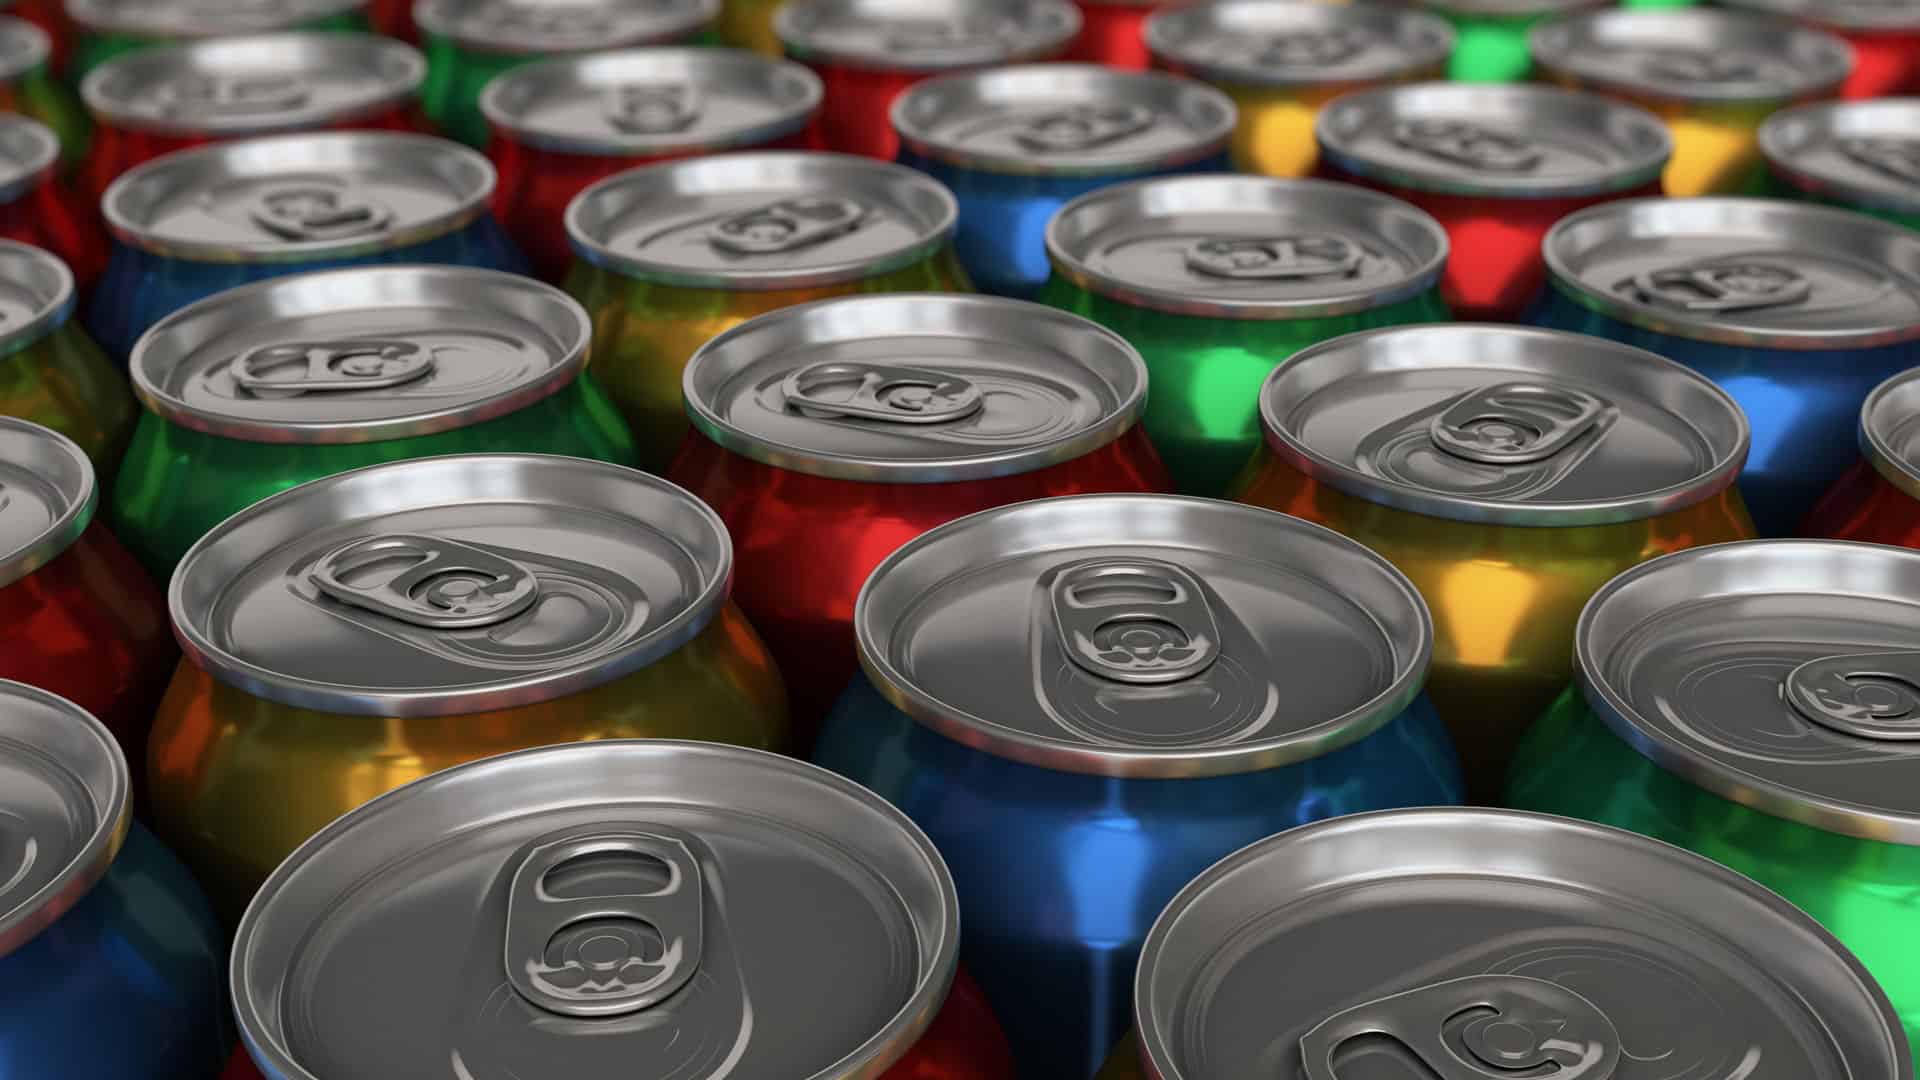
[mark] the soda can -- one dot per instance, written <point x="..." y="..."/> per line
<point x="1490" y="45"/>
<point x="1753" y="702"/>
<point x="1861" y="155"/>
<point x="1282" y="62"/>
<point x="1713" y="76"/>
<point x="827" y="435"/>
<point x="1113" y="33"/>
<point x="1885" y="35"/>
<point x="748" y="24"/>
<point x="54" y="376"/>
<point x="110" y="960"/>
<point x="37" y="207"/>
<point x="195" y="223"/>
<point x="1087" y="701"/>
<point x="1798" y="311"/>
<point x="1218" y="280"/>
<point x="867" y="51"/>
<point x="51" y="17"/>
<point x="468" y="42"/>
<point x="672" y="255"/>
<point x="105" y="29"/>
<point x="1510" y="473"/>
<point x="1877" y="501"/>
<point x="28" y="88"/>
<point x="394" y="19"/>
<point x="562" y="125"/>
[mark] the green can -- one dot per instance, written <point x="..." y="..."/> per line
<point x="264" y="387"/>
<point x="1490" y="36"/>
<point x="1862" y="155"/>
<point x="1756" y="703"/>
<point x="1217" y="280"/>
<point x="104" y="29"/>
<point x="50" y="373"/>
<point x="28" y="88"/>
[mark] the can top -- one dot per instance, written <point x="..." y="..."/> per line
<point x="1693" y="55"/>
<point x="201" y="18"/>
<point x="924" y="35"/>
<point x="1491" y="139"/>
<point x="538" y="27"/>
<point x="1247" y="247"/>
<point x="574" y="910"/>
<point x="451" y="585"/>
<point x="1504" y="424"/>
<point x="36" y="295"/>
<point x="762" y="221"/>
<point x="1259" y="43"/>
<point x="28" y="152"/>
<point x="1478" y="943"/>
<point x="915" y="388"/>
<point x="654" y="101"/>
<point x="23" y="47"/>
<point x="1869" y="15"/>
<point x="254" y="85"/>
<point x="1510" y="9"/>
<point x="47" y="494"/>
<point x="1143" y="636"/>
<point x="1864" y="153"/>
<point x="1749" y="272"/>
<point x="1890" y="430"/>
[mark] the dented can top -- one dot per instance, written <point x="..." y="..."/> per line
<point x="47" y="497"/>
<point x="36" y="295"/>
<point x="1863" y="153"/>
<point x="1259" y="43"/>
<point x="1693" y="55"/>
<point x="1143" y="636"/>
<point x="538" y="27"/>
<point x="23" y="47"/>
<point x="450" y="585"/>
<point x="924" y="35"/>
<point x="1850" y="15"/>
<point x="1479" y="943"/>
<point x="1890" y="430"/>
<point x="201" y="18"/>
<point x="29" y="150"/>
<point x="1504" y="424"/>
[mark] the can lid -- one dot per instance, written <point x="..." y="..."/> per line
<point x="1751" y="272"/>
<point x="1890" y="430"/>
<point x="23" y="47"/>
<point x="36" y="295"/>
<point x="1510" y="9"/>
<point x="762" y="221"/>
<point x="1693" y="55"/>
<point x="924" y="35"/>
<point x="632" y="908"/>
<point x="1868" y="15"/>
<point x="451" y="585"/>
<point x="64" y="810"/>
<point x="1259" y="43"/>
<point x="47" y="495"/>
<point x="1464" y="943"/>
<point x="916" y="388"/>
<point x="28" y="152"/>
<point x="1491" y="139"/>
<point x="1143" y="636"/>
<point x="1865" y="153"/>
<point x="201" y="18"/>
<point x="648" y="102"/>
<point x="1504" y="424"/>
<point x="1247" y="247"/>
<point x="540" y="27"/>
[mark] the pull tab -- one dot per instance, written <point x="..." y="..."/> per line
<point x="962" y="35"/>
<point x="653" y="108"/>
<point x="427" y="581"/>
<point x="238" y="95"/>
<point x="1692" y="66"/>
<point x="1139" y="621"/>
<point x="1309" y="49"/>
<point x="1469" y="144"/>
<point x="1729" y="285"/>
<point x="1898" y="158"/>
<point x="1866" y="695"/>
<point x="1515" y="423"/>
<point x="1480" y="1027"/>
<point x="786" y="226"/>
<point x="1084" y="127"/>
<point x="1279" y="258"/>
<point x="593" y="931"/>
<point x="318" y="212"/>
<point x="304" y="367"/>
<point x="891" y="393"/>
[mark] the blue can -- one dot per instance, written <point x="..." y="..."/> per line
<point x="1797" y="311"/>
<point x="197" y="222"/>
<point x="1015" y="144"/>
<point x="1087" y="701"/>
<point x="110" y="959"/>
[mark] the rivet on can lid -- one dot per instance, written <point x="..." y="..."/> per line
<point x="23" y="47"/>
<point x="1693" y="55"/>
<point x="36" y="295"/>
<point x="47" y="497"/>
<point x="1869" y="16"/>
<point x="535" y="27"/>
<point x="28" y="152"/>
<point x="925" y="35"/>
<point x="1890" y="430"/>
<point x="202" y="18"/>
<point x="1258" y="43"/>
<point x="1863" y="153"/>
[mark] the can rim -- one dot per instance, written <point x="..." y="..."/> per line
<point x="1776" y="147"/>
<point x="1553" y="52"/>
<point x="113" y="17"/>
<point x="38" y="46"/>
<point x="1431" y="37"/>
<point x="61" y="534"/>
<point x="1057" y="21"/>
<point x="1512" y="9"/>
<point x="54" y="312"/>
<point x="1874" y="446"/>
<point x="1851" y="17"/>
<point x="433" y="17"/>
<point x="39" y="168"/>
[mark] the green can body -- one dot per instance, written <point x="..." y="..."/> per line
<point x="95" y="47"/>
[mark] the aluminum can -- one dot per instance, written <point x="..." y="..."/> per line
<point x="106" y="29"/>
<point x="1218" y="280"/>
<point x="1885" y="35"/>
<point x="1861" y="155"/>
<point x="1135" y="732"/>
<point x="1510" y="473"/>
<point x="468" y="42"/>
<point x="867" y="51"/>
<point x="672" y="255"/>
<point x="1491" y="35"/>
<point x="1015" y="144"/>
<point x="196" y="223"/>
<point x="562" y="125"/>
<point x="109" y="955"/>
<point x="38" y="207"/>
<point x="1878" y="500"/>
<point x="28" y="88"/>
<point x="1713" y="76"/>
<point x="1797" y="311"/>
<point x="394" y="19"/>
<point x="1113" y="33"/>
<point x="1473" y="944"/>
<point x="50" y="373"/>
<point x="827" y="435"/>
<point x="1282" y="62"/>
<point x="1753" y="702"/>
<point x="748" y="24"/>
<point x="1497" y="166"/>
<point x="51" y="17"/>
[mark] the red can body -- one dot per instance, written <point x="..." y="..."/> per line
<point x="393" y="18"/>
<point x="1884" y="64"/>
<point x="1113" y="34"/>
<point x="117" y="149"/>
<point x="1864" y="506"/>
<point x="54" y="217"/>
<point x="858" y="115"/>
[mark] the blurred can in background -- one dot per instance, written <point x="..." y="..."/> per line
<point x="38" y="207"/>
<point x="51" y="17"/>
<point x="1861" y="155"/>
<point x="1885" y="35"/>
<point x="1878" y="500"/>
<point x="748" y="24"/>
<point x="1490" y="44"/>
<point x="1113" y="33"/>
<point x="105" y="29"/>
<point x="393" y="18"/>
<point x="49" y="372"/>
<point x="29" y="88"/>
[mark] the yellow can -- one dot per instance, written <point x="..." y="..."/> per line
<point x="748" y="24"/>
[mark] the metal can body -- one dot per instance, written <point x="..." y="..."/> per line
<point x="105" y="30"/>
<point x="748" y="24"/>
<point x="51" y="17"/>
<point x="1112" y="32"/>
<point x="1885" y="40"/>
<point x="394" y="19"/>
<point x="39" y="208"/>
<point x="50" y="374"/>
<point x="1490" y="36"/>
<point x="1853" y="154"/>
<point x="1878" y="500"/>
<point x="29" y="88"/>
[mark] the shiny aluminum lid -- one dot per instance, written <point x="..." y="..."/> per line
<point x="1692" y="55"/>
<point x="1247" y="247"/>
<point x="23" y="47"/>
<point x="47" y="497"/>
<point x="28" y="152"/>
<point x="537" y="27"/>
<point x="202" y="18"/>
<point x="451" y="585"/>
<point x="1890" y="430"/>
<point x="652" y="102"/>
<point x="1143" y="636"/>
<point x="1464" y="943"/>
<point x="1866" y="15"/>
<point x="1510" y="9"/>
<point x="360" y="355"/>
<point x="915" y="388"/>
<point x="1262" y="43"/>
<point x="1494" y="423"/>
<point x="1863" y="153"/>
<point x="1751" y="272"/>
<point x="924" y="35"/>
<point x="36" y="295"/>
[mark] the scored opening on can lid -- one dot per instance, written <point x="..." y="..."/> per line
<point x="1890" y="430"/>
<point x="1748" y="272"/>
<point x="1867" y="15"/>
<point x="451" y="585"/>
<point x="1864" y="153"/>
<point x="534" y="27"/>
<point x="36" y="295"/>
<point x="1504" y="424"/>
<point x="23" y="47"/>
<point x="47" y="497"/>
<point x="1143" y="636"/>
<point x="1494" y="943"/>
<point x="1259" y="43"/>
<point x="924" y="35"/>
<point x="201" y="18"/>
<point x="28" y="152"/>
<point x="653" y="101"/>
<point x="1692" y="55"/>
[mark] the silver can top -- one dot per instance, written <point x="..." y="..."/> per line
<point x="1258" y="43"/>
<point x="36" y="295"/>
<point x="1692" y="55"/>
<point x="1871" y="16"/>
<point x="1504" y="424"/>
<point x="1750" y="272"/>
<point x="202" y="18"/>
<point x="28" y="152"/>
<point x="47" y="497"/>
<point x="540" y="27"/>
<point x="1460" y="943"/>
<point x="1510" y="9"/>
<point x="924" y="35"/>
<point x="1863" y="153"/>
<point x="1143" y="636"/>
<point x="637" y="908"/>
<point x="23" y="47"/>
<point x="451" y="585"/>
<point x="1890" y="430"/>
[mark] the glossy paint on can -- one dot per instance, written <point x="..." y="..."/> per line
<point x="29" y="88"/>
<point x="1490" y="36"/>
<point x="107" y="29"/>
<point x="1113" y="33"/>
<point x="748" y="24"/>
<point x="1885" y="39"/>
<point x="394" y="19"/>
<point x="50" y="374"/>
<point x="1877" y="501"/>
<point x="39" y="208"/>
<point x="1860" y="155"/>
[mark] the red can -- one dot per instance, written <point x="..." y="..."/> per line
<point x="1885" y="35"/>
<point x="1878" y="500"/>
<point x="867" y="51"/>
<point x="50" y="16"/>
<point x="1497" y="165"/>
<point x="394" y="18"/>
<point x="1112" y="32"/>
<point x="38" y="208"/>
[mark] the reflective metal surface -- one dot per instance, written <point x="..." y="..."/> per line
<point x="1255" y="43"/>
<point x="28" y="151"/>
<point x="47" y="496"/>
<point x="1890" y="431"/>
<point x="924" y="35"/>
<point x="1864" y="154"/>
<point x="530" y="27"/>
<point x="23" y="47"/>
<point x="1693" y="55"/>
<point x="1849" y="14"/>
<point x="36" y="295"/>
<point x="200" y="18"/>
